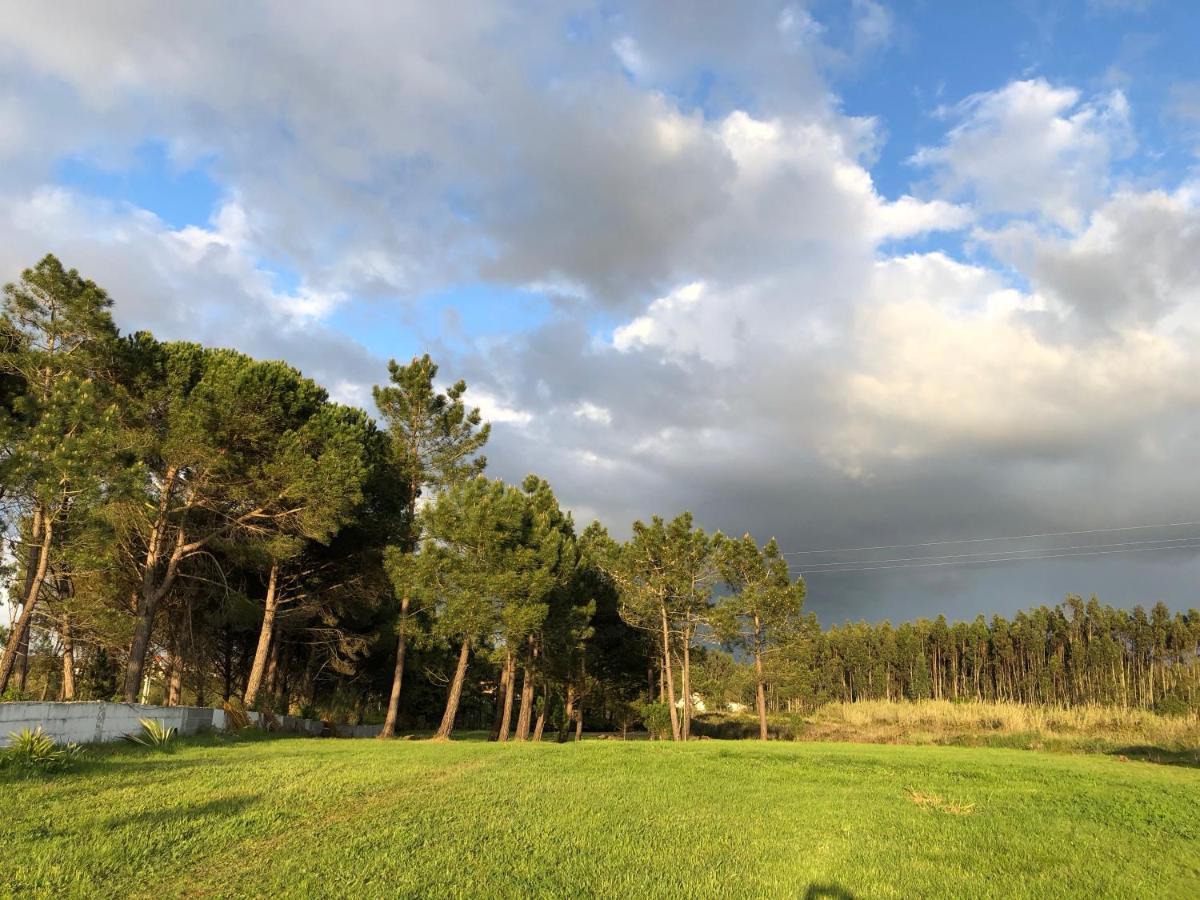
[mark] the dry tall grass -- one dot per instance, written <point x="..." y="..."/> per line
<point x="935" y="720"/>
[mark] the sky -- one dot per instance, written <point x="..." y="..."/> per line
<point x="869" y="274"/>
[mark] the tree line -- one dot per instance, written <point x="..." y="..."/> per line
<point x="187" y="524"/>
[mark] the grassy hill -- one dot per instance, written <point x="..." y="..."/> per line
<point x="305" y="817"/>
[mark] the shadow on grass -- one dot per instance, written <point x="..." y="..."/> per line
<point x="223" y="808"/>
<point x="1159" y="755"/>
<point x="818" y="891"/>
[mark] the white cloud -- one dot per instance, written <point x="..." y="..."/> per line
<point x="496" y="410"/>
<point x="1031" y="147"/>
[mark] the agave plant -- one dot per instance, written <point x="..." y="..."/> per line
<point x="155" y="733"/>
<point x="36" y="751"/>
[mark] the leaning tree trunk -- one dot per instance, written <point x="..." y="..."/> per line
<point x="18" y="640"/>
<point x="147" y="607"/>
<point x="68" y="642"/>
<point x="456" y="686"/>
<point x="261" y="653"/>
<point x="393" y="710"/>
<point x="669" y="676"/>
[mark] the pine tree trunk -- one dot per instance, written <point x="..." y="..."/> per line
<point x="265" y="633"/>
<point x="523" y="717"/>
<point x="456" y="686"/>
<point x="175" y="681"/>
<point x="146" y="608"/>
<point x="504" y="700"/>
<point x="18" y="640"/>
<point x="759" y="683"/>
<point x="686" y="683"/>
<point x="393" y="710"/>
<point x="669" y="675"/>
<point x="22" y="672"/>
<point x="68" y="641"/>
<point x="568" y="712"/>
<point x="541" y="719"/>
<point x="273" y="668"/>
<point x="506" y="721"/>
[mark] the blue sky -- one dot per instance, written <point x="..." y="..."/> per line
<point x="842" y="273"/>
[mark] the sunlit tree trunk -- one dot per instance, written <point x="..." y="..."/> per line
<point x="759" y="682"/>
<point x="265" y="633"/>
<point x="504" y="701"/>
<point x="669" y="675"/>
<point x="68" y="642"/>
<point x="393" y="710"/>
<point x="686" y="684"/>
<point x="18" y="640"/>
<point x="456" y="686"/>
<point x="524" y="716"/>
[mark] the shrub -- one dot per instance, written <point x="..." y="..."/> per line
<point x="1173" y="707"/>
<point x="657" y="719"/>
<point x="154" y="734"/>
<point x="37" y="752"/>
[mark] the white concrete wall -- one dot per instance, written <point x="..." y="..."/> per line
<point x="93" y="722"/>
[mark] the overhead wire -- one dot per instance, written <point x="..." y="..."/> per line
<point x="1009" y="559"/>
<point x="1016" y="537"/>
<point x="852" y="562"/>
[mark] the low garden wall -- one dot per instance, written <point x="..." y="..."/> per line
<point x="86" y="723"/>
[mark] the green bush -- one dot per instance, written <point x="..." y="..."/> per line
<point x="1173" y="706"/>
<point x="37" y="752"/>
<point x="657" y="719"/>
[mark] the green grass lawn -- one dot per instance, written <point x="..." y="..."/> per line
<point x="310" y="817"/>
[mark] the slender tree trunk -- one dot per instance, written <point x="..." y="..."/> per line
<point x="686" y="683"/>
<point x="760" y="687"/>
<point x="175" y="681"/>
<point x="456" y="686"/>
<point x="504" y="700"/>
<point x="273" y="668"/>
<point x="669" y="675"/>
<point x="541" y="718"/>
<point x="523" y="717"/>
<point x="227" y="673"/>
<point x="579" y="722"/>
<point x="393" y="710"/>
<point x="258" y="670"/>
<point x="568" y="712"/>
<point x="39" y="560"/>
<point x="506" y="721"/>
<point x="22" y="666"/>
<point x="68" y="685"/>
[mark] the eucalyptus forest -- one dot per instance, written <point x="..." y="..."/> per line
<point x="190" y="526"/>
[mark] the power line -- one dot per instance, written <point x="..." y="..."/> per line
<point x="1016" y="537"/>
<point x="858" y="562"/>
<point x="974" y="562"/>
